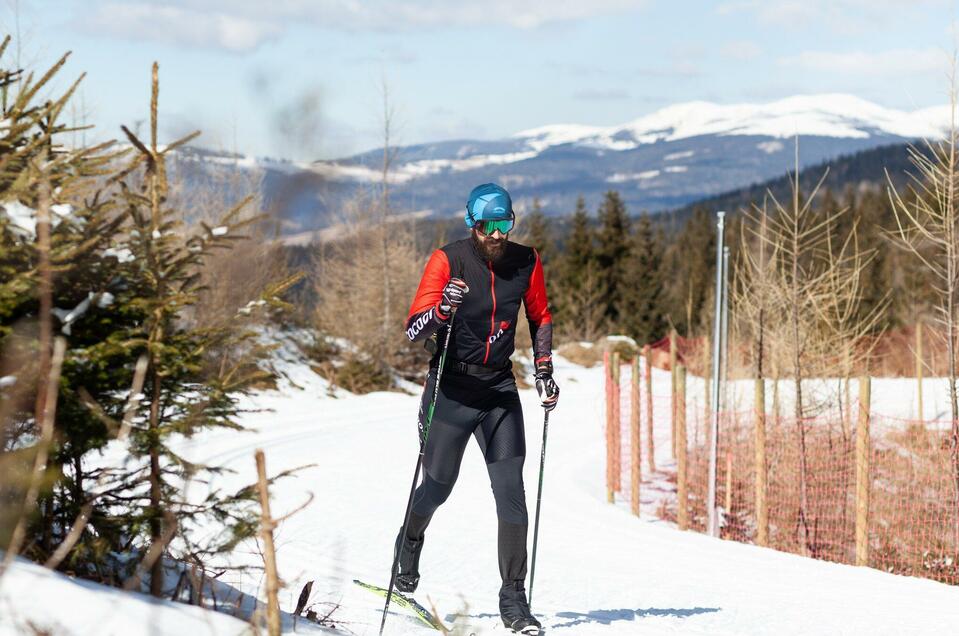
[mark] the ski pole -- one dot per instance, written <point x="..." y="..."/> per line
<point x="539" y="500"/>
<point x="416" y="472"/>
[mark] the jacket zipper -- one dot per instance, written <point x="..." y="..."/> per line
<point x="492" y="318"/>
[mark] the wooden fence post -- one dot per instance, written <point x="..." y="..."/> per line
<point x="617" y="428"/>
<point x="862" y="474"/>
<point x="608" y="368"/>
<point x="672" y="387"/>
<point x="919" y="413"/>
<point x="682" y="488"/>
<point x="759" y="416"/>
<point x="728" y="500"/>
<point x="269" y="551"/>
<point x="635" y="446"/>
<point x="650" y="442"/>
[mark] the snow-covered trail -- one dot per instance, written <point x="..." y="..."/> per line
<point x="599" y="569"/>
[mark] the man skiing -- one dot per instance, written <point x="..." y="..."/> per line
<point x="483" y="279"/>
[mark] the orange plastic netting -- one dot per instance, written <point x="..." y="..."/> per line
<point x="912" y="525"/>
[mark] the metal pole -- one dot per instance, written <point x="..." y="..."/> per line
<point x="725" y="358"/>
<point x="712" y="522"/>
<point x="416" y="472"/>
<point x="539" y="500"/>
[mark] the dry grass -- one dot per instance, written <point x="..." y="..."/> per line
<point x="581" y="354"/>
<point x="590" y="354"/>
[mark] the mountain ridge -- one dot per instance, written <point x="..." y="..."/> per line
<point x="661" y="161"/>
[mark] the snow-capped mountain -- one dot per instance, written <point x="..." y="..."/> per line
<point x="662" y="160"/>
<point x="840" y="116"/>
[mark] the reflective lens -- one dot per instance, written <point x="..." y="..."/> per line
<point x="488" y="227"/>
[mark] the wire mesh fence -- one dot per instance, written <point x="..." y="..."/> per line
<point x="828" y="478"/>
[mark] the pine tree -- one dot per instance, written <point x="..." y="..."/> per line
<point x="56" y="228"/>
<point x="689" y="266"/>
<point x="538" y="234"/>
<point x="611" y="253"/>
<point x="580" y="292"/>
<point x="182" y="394"/>
<point x="642" y="300"/>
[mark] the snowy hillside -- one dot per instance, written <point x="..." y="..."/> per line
<point x="599" y="570"/>
<point x="835" y="116"/>
<point x="830" y="115"/>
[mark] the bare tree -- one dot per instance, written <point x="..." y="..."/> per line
<point x="928" y="227"/>
<point x="755" y="292"/>
<point x="799" y="238"/>
<point x="839" y="303"/>
<point x="389" y="153"/>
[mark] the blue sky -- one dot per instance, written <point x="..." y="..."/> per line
<point x="303" y="78"/>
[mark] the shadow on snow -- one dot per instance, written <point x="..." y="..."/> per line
<point x="605" y="617"/>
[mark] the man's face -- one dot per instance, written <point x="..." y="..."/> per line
<point x="491" y="247"/>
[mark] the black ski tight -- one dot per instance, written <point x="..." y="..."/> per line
<point x="487" y="408"/>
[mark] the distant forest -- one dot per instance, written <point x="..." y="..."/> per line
<point x="614" y="270"/>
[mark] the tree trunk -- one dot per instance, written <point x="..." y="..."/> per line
<point x="45" y="293"/>
<point x="798" y="376"/>
<point x="156" y="525"/>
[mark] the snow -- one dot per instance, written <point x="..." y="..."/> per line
<point x="673" y="156"/>
<point x="770" y="147"/>
<point x="105" y="299"/>
<point x="69" y="316"/>
<point x="34" y="600"/>
<point x="220" y="231"/>
<point x="404" y="172"/>
<point x="541" y="138"/>
<point x="621" y="177"/>
<point x="62" y="209"/>
<point x="7" y="381"/>
<point x="122" y="254"/>
<point x="828" y="115"/>
<point x="599" y="569"/>
<point x="22" y="218"/>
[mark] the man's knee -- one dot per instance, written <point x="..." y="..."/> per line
<point x="431" y="495"/>
<point x="506" y="478"/>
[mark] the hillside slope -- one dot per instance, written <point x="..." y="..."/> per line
<point x="865" y="169"/>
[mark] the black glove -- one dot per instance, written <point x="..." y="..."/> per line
<point x="546" y="386"/>
<point x="452" y="296"/>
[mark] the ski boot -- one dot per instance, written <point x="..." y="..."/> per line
<point x="514" y="610"/>
<point x="408" y="566"/>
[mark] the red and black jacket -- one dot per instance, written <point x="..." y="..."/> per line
<point x="486" y="321"/>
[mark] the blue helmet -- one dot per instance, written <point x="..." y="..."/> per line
<point x="488" y="202"/>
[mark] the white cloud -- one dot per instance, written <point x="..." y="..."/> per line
<point x="242" y="25"/>
<point x="180" y="25"/>
<point x="891" y="62"/>
<point x="836" y="15"/>
<point x="741" y="50"/>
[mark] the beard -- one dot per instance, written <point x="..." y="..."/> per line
<point x="490" y="249"/>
